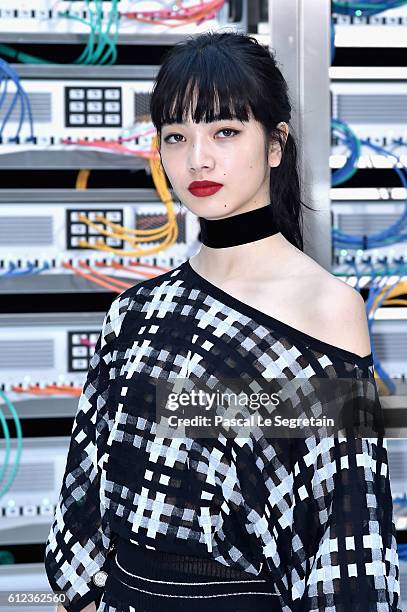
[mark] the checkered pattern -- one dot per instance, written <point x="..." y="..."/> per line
<point x="317" y="512"/>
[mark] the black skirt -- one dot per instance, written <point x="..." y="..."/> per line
<point x="144" y="580"/>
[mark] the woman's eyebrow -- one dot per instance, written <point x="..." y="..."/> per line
<point x="184" y="124"/>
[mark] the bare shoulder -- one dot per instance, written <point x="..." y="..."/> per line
<point x="341" y="312"/>
<point x="335" y="310"/>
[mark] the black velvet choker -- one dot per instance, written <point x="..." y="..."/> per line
<point x="238" y="229"/>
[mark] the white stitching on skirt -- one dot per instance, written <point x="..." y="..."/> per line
<point x="194" y="596"/>
<point x="186" y="583"/>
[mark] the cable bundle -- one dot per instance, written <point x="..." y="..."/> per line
<point x="391" y="234"/>
<point x="101" y="44"/>
<point x="7" y="73"/>
<point x="168" y="231"/>
<point x="6" y="432"/>
<point x="110" y="282"/>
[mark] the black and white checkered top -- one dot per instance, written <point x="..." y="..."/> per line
<point x="316" y="513"/>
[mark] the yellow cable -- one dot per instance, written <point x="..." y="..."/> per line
<point x="122" y="231"/>
<point x="397" y="290"/>
<point x="169" y="230"/>
<point x="82" y="179"/>
<point x="396" y="302"/>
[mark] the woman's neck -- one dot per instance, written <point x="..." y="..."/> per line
<point x="265" y="256"/>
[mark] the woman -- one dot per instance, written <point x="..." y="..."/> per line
<point x="148" y="521"/>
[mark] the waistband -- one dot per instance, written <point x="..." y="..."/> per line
<point x="145" y="578"/>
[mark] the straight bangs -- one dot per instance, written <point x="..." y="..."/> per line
<point x="205" y="84"/>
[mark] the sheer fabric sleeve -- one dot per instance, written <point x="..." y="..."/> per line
<point x="322" y="510"/>
<point x="79" y="539"/>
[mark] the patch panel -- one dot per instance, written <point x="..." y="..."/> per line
<point x="31" y="499"/>
<point x="43" y="350"/>
<point x="77" y="230"/>
<point x="366" y="215"/>
<point x="75" y="108"/>
<point x="375" y="110"/>
<point x="39" y="227"/>
<point x="44" y="17"/>
<point x="93" y="106"/>
<point x="81" y="345"/>
<point x="386" y="29"/>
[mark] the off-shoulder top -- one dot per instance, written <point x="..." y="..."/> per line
<point x="316" y="512"/>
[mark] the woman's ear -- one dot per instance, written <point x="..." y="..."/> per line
<point x="274" y="157"/>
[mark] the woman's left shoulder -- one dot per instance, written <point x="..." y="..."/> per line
<point x="342" y="313"/>
<point x="337" y="296"/>
<point x="338" y="309"/>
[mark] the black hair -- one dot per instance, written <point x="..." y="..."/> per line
<point x="233" y="75"/>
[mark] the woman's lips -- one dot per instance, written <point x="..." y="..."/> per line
<point x="202" y="192"/>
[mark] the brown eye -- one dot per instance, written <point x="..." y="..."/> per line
<point x="166" y="139"/>
<point x="229" y="130"/>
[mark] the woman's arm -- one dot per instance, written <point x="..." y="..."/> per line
<point x="80" y="538"/>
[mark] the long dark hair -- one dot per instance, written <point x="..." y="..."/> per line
<point x="233" y="73"/>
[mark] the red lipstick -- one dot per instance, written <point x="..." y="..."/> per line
<point x="202" y="189"/>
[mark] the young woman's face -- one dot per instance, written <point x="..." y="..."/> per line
<point x="228" y="152"/>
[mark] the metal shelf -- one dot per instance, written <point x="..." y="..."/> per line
<point x="73" y="196"/>
<point x="46" y="408"/>
<point x="73" y="71"/>
<point x="70" y="160"/>
<point x="54" y="283"/>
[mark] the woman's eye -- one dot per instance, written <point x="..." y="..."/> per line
<point x="167" y="138"/>
<point x="229" y="130"/>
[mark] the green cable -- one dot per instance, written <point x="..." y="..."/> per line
<point x="83" y="58"/>
<point x="25" y="58"/>
<point x="73" y="17"/>
<point x="113" y="14"/>
<point x="367" y="7"/>
<point x="112" y="50"/>
<point x="95" y="32"/>
<point x="89" y="55"/>
<point x="19" y="432"/>
<point x="6" y="432"/>
<point x="100" y="34"/>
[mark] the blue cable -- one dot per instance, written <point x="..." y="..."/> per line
<point x="391" y="233"/>
<point x="353" y="143"/>
<point x="13" y="103"/>
<point x="382" y="373"/>
<point x="24" y="101"/>
<point x="3" y="95"/>
<point x="332" y="40"/>
<point x="402" y="551"/>
<point x="357" y="274"/>
<point x="378" y="237"/>
<point x="23" y="272"/>
<point x="12" y="266"/>
<point x="374" y="290"/>
<point x="30" y="270"/>
<point x="8" y="112"/>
